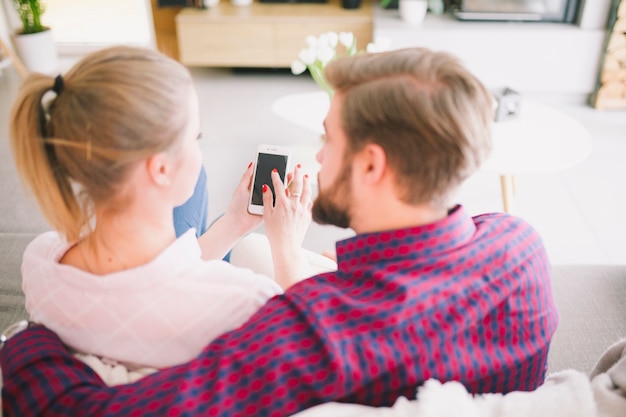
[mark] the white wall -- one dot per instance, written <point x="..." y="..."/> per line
<point x="533" y="58"/>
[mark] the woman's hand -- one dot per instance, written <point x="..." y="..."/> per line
<point x="233" y="225"/>
<point x="286" y="224"/>
<point x="237" y="209"/>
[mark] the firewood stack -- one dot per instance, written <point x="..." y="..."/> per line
<point x="611" y="90"/>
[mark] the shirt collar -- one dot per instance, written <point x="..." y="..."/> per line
<point x="427" y="240"/>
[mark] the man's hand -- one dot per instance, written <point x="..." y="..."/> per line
<point x="286" y="224"/>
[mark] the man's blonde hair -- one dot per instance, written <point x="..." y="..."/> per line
<point x="425" y="109"/>
<point x="113" y="108"/>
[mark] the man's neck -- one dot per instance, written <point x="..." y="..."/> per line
<point x="395" y="215"/>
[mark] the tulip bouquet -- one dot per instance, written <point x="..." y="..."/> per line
<point x="324" y="48"/>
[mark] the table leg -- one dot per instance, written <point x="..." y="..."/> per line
<point x="507" y="185"/>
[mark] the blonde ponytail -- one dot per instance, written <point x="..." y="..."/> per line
<point x="114" y="108"/>
<point x="36" y="161"/>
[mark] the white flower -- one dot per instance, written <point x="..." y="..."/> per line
<point x="328" y="39"/>
<point x="346" y="39"/>
<point x="380" y="44"/>
<point x="297" y="67"/>
<point x="325" y="54"/>
<point x="322" y="49"/>
<point x="311" y="41"/>
<point x="332" y="39"/>
<point x="307" y="56"/>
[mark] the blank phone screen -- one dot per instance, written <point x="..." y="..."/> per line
<point x="265" y="164"/>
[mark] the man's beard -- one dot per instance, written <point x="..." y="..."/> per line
<point x="332" y="206"/>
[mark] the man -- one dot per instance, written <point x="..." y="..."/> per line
<point x="422" y="291"/>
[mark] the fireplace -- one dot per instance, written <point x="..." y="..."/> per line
<point x="565" y="11"/>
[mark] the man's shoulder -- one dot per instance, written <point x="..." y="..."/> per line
<point x="316" y="287"/>
<point x="501" y="221"/>
<point x="507" y="232"/>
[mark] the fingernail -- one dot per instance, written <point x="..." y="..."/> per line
<point x="250" y="164"/>
<point x="306" y="175"/>
<point x="298" y="166"/>
<point x="264" y="188"/>
<point x="274" y="170"/>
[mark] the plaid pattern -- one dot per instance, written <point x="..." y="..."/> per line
<point x="465" y="299"/>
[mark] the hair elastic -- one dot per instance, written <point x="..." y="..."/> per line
<point x="58" y="85"/>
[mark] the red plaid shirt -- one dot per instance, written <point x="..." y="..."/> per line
<point x="465" y="299"/>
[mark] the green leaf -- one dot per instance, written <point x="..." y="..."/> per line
<point x="30" y="12"/>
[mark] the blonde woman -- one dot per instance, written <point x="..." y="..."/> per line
<point x="109" y="150"/>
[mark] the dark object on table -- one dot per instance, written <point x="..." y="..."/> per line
<point x="293" y="1"/>
<point x="508" y="104"/>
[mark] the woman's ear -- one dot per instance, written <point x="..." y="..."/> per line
<point x="159" y="169"/>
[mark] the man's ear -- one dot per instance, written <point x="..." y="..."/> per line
<point x="158" y="168"/>
<point x="371" y="163"/>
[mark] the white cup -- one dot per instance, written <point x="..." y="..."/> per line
<point x="413" y="11"/>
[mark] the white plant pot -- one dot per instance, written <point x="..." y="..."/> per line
<point x="241" y="2"/>
<point x="37" y="51"/>
<point x="413" y="11"/>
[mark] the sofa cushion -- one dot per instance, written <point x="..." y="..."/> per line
<point x="12" y="247"/>
<point x="592" y="305"/>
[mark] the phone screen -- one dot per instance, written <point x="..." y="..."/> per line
<point x="265" y="164"/>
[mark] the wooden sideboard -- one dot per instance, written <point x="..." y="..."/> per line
<point x="263" y="34"/>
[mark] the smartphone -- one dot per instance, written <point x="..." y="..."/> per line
<point x="268" y="157"/>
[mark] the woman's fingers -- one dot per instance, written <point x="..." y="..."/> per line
<point x="246" y="178"/>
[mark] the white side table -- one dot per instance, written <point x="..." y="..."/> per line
<point x="541" y="139"/>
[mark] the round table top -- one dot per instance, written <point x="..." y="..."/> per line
<point x="540" y="139"/>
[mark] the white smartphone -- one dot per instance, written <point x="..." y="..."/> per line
<point x="268" y="157"/>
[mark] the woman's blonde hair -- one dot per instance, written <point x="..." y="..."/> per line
<point x="425" y="109"/>
<point x="113" y="108"/>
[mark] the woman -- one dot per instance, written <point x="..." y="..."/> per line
<point x="109" y="150"/>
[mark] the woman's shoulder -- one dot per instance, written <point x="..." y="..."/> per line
<point x="48" y="245"/>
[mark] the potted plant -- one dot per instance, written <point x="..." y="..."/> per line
<point x="34" y="42"/>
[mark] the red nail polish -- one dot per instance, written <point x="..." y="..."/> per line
<point x="306" y="175"/>
<point x="264" y="188"/>
<point x="250" y="164"/>
<point x="298" y="166"/>
<point x="274" y="170"/>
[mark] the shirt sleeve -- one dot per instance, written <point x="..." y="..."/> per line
<point x="243" y="373"/>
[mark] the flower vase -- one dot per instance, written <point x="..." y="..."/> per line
<point x="413" y="11"/>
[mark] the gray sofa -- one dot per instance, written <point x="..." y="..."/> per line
<point x="591" y="301"/>
<point x="592" y="305"/>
